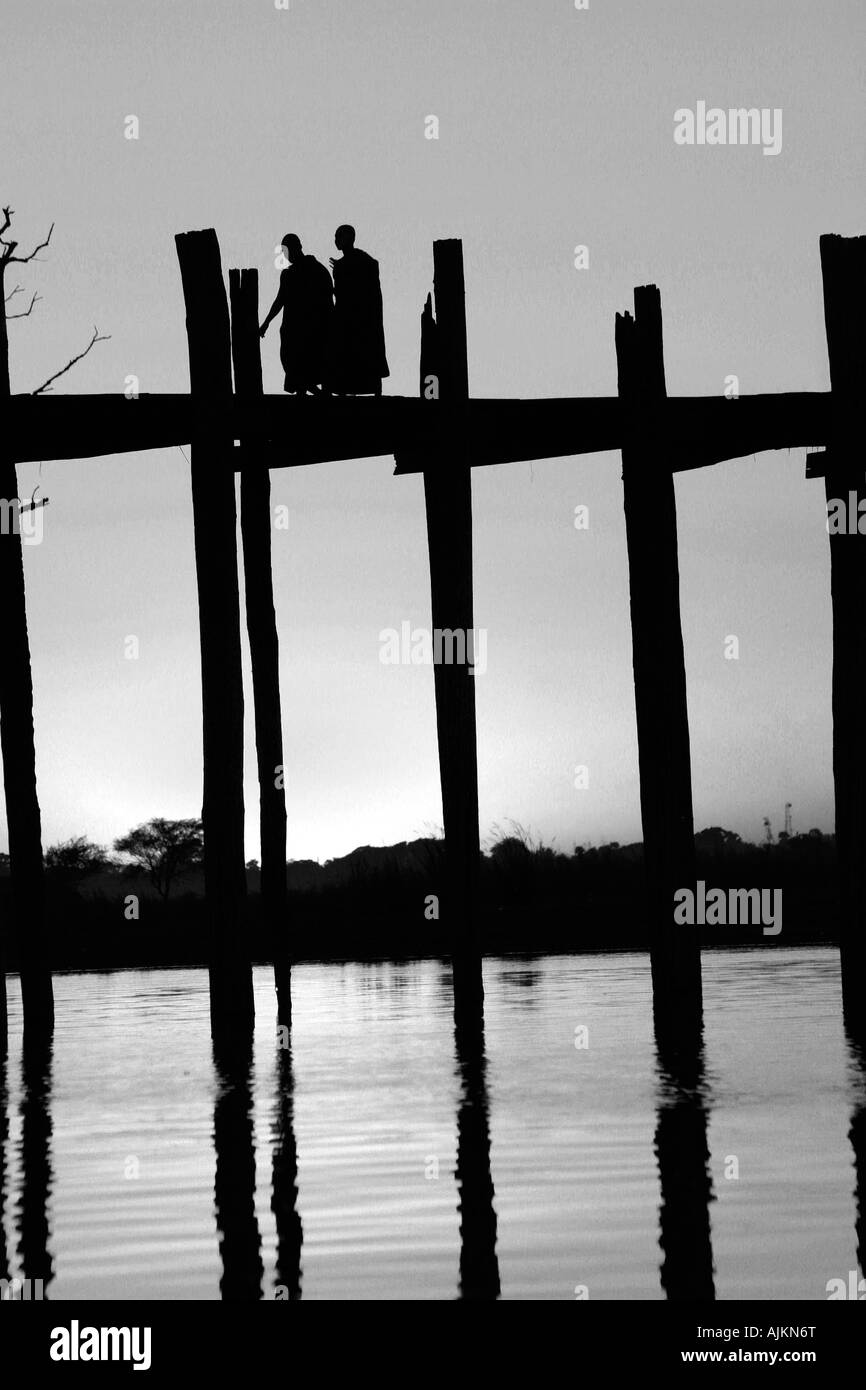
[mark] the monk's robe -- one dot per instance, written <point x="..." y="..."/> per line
<point x="306" y="331"/>
<point x="359" y="355"/>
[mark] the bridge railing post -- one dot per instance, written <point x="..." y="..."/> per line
<point x="23" y="817"/>
<point x="448" y="502"/>
<point x="659" y="669"/>
<point x="262" y="634"/>
<point x="215" y="524"/>
<point x="843" y="267"/>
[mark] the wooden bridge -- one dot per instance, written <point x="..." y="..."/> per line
<point x="291" y="430"/>
<point x="234" y="428"/>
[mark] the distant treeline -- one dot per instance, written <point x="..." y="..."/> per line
<point x="141" y="909"/>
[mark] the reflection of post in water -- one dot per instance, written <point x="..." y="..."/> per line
<point x="857" y="1134"/>
<point x="284" y="1197"/>
<point x="683" y="1157"/>
<point x="34" y="1256"/>
<point x="479" y="1266"/>
<point x="4" y="1134"/>
<point x="235" y="1180"/>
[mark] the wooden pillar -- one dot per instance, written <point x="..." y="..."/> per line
<point x="685" y="1175"/>
<point x="262" y="633"/>
<point x="284" y="1178"/>
<point x="448" y="500"/>
<point x="234" y="1138"/>
<point x="479" y="1263"/>
<point x="27" y="873"/>
<point x="843" y="266"/>
<point x="5" y="1156"/>
<point x="214" y="519"/>
<point x="659" y="670"/>
<point x="35" y="1150"/>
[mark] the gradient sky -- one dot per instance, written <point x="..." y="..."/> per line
<point x="556" y="129"/>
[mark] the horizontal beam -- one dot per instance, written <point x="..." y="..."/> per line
<point x="692" y="431"/>
<point x="286" y="431"/>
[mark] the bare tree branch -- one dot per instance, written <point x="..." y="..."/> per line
<point x="23" y="260"/>
<point x="6" y="258"/>
<point x="97" y="338"/>
<point x="25" y="313"/>
<point x="8" y="246"/>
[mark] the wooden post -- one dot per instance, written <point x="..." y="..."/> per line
<point x="214" y="519"/>
<point x="659" y="671"/>
<point x="843" y="266"/>
<point x="5" y="1271"/>
<point x="448" y="500"/>
<point x="479" y="1264"/>
<point x="27" y="872"/>
<point x="857" y="1133"/>
<point x="234" y="1139"/>
<point x="685" y="1177"/>
<point x="262" y="632"/>
<point x="284" y="1177"/>
<point x="37" y="1169"/>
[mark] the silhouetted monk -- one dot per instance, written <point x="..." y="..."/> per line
<point x="359" y="359"/>
<point x="306" y="297"/>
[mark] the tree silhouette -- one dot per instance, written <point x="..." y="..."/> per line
<point x="8" y="249"/>
<point x="74" y="859"/>
<point x="16" y="686"/>
<point x="165" y="849"/>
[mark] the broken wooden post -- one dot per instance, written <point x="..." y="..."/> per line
<point x="659" y="669"/>
<point x="214" y="520"/>
<point x="843" y="267"/>
<point x="448" y="500"/>
<point x="24" y="822"/>
<point x="262" y="632"/>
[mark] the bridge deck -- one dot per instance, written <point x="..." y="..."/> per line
<point x="691" y="432"/>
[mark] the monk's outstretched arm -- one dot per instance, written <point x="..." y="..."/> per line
<point x="272" y="312"/>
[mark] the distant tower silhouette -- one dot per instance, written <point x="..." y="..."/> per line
<point x="788" y="819"/>
<point x="768" y="831"/>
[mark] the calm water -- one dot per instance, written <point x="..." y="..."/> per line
<point x="135" y="1169"/>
